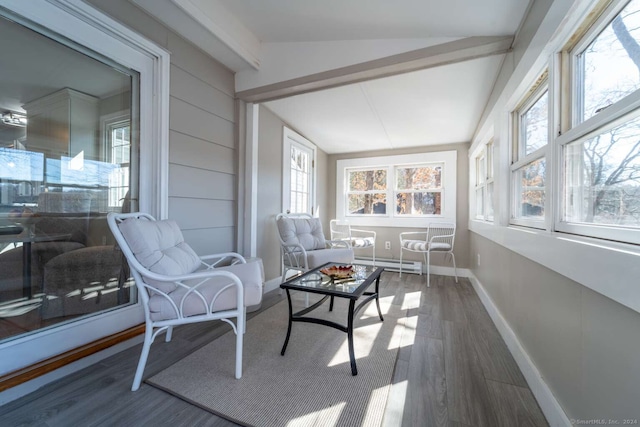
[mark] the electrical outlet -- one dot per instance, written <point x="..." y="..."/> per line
<point x="387" y="245"/>
<point x="478" y="260"/>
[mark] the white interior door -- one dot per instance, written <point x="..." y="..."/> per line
<point x="298" y="174"/>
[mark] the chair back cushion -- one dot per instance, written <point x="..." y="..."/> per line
<point x="306" y="232"/>
<point x="160" y="247"/>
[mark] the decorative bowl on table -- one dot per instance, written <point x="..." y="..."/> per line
<point x="338" y="271"/>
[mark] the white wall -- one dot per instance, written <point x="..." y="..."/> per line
<point x="202" y="151"/>
<point x="571" y="303"/>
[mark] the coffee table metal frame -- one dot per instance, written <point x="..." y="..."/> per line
<point x="331" y="292"/>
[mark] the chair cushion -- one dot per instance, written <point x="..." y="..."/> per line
<point x="323" y="256"/>
<point x="250" y="274"/>
<point x="421" y="246"/>
<point x="306" y="232"/>
<point x="362" y="242"/>
<point x="160" y="247"/>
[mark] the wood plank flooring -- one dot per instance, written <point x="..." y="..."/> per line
<point x="455" y="371"/>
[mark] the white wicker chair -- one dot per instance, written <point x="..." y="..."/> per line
<point x="177" y="287"/>
<point x="303" y="246"/>
<point x="439" y="237"/>
<point x="355" y="238"/>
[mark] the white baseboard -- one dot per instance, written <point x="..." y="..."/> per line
<point x="548" y="403"/>
<point x="272" y="284"/>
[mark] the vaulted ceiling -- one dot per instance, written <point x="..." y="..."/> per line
<point x="355" y="75"/>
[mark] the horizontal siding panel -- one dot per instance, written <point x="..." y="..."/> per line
<point x="190" y="182"/>
<point x="189" y="151"/>
<point x="191" y="120"/>
<point x="201" y="213"/>
<point x="196" y="62"/>
<point x="195" y="91"/>
<point x="211" y="240"/>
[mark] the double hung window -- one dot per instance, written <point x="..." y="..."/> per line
<point x="484" y="183"/>
<point x="600" y="149"/>
<point x="529" y="167"/>
<point x="397" y="190"/>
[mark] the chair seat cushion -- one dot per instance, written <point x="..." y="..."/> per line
<point x="361" y="242"/>
<point x="423" y="246"/>
<point x="323" y="256"/>
<point x="250" y="274"/>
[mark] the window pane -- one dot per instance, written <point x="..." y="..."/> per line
<point x="602" y="176"/>
<point x="535" y="125"/>
<point x="420" y="178"/>
<point x="423" y="203"/>
<point x="367" y="204"/>
<point x="67" y="160"/>
<point x="611" y="62"/>
<point x="480" y="202"/>
<point x="375" y="179"/>
<point x="530" y="182"/>
<point x="489" y="203"/>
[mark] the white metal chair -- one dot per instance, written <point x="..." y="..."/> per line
<point x="355" y="238"/>
<point x="177" y="287"/>
<point x="303" y="245"/>
<point x="439" y="237"/>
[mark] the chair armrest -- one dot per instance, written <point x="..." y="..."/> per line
<point x="236" y="259"/>
<point x="441" y="237"/>
<point x="366" y="232"/>
<point x="331" y="244"/>
<point x="406" y="234"/>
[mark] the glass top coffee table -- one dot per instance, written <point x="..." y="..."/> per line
<point x="352" y="288"/>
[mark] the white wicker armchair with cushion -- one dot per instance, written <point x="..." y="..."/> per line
<point x="303" y="246"/>
<point x="355" y="237"/>
<point x="177" y="287"/>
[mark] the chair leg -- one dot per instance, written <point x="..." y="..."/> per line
<point x="239" y="337"/>
<point x="146" y="346"/>
<point x="428" y="269"/>
<point x="401" y="251"/>
<point x="169" y="334"/>
<point x="455" y="271"/>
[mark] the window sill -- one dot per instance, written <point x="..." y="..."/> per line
<point x="602" y="266"/>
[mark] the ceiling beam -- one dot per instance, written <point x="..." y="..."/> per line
<point x="429" y="57"/>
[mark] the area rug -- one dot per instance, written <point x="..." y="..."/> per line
<point x="311" y="385"/>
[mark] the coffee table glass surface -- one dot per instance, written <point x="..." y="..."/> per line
<point x="315" y="281"/>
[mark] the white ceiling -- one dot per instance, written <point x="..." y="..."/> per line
<point x="435" y="106"/>
<point x="284" y="40"/>
<point x="313" y="20"/>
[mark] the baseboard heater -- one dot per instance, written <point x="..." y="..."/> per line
<point x="414" y="267"/>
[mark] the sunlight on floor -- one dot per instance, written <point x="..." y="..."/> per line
<point x="411" y="300"/>
<point x="374" y="410"/>
<point x="405" y="329"/>
<point x="329" y="417"/>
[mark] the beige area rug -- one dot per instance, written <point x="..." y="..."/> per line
<point x="311" y="385"/>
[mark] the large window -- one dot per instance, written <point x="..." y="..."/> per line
<point x="59" y="273"/>
<point x="529" y="172"/>
<point x="397" y="190"/>
<point x="600" y="151"/>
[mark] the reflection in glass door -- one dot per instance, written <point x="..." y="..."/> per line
<point x="68" y="156"/>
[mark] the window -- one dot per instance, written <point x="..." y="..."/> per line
<point x="484" y="183"/>
<point x="531" y="126"/>
<point x="62" y="132"/>
<point x="600" y="152"/>
<point x="367" y="192"/>
<point x="116" y="131"/>
<point x="399" y="191"/>
<point x="298" y="176"/>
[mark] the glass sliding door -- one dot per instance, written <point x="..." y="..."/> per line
<point x="69" y="154"/>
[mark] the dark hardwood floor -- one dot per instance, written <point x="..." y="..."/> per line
<point x="456" y="371"/>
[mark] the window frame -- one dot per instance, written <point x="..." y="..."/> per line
<point x="622" y="111"/>
<point x="92" y="29"/>
<point x="291" y="139"/>
<point x="448" y="159"/>
<point x="520" y="159"/>
<point x="484" y="162"/>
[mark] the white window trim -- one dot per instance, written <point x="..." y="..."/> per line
<point x="290" y="137"/>
<point x="520" y="159"/>
<point x="81" y="22"/>
<point x="448" y="214"/>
